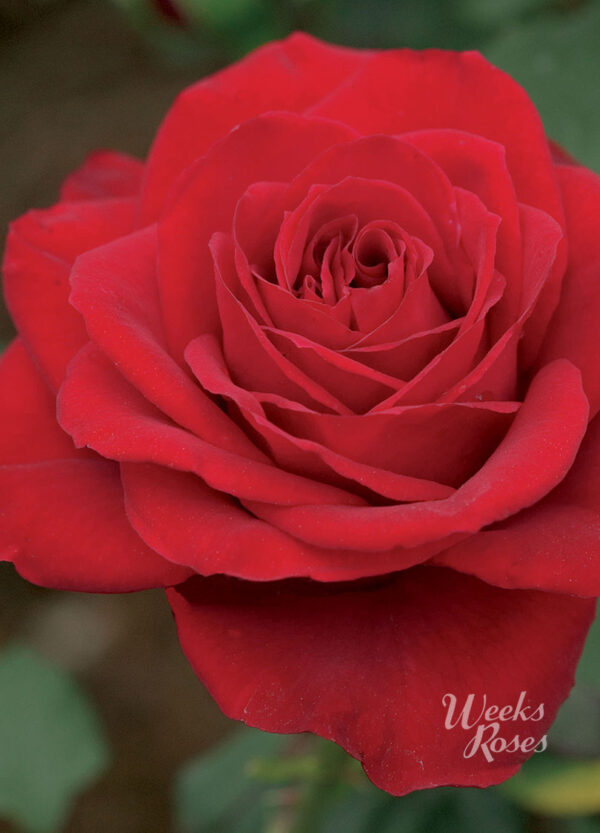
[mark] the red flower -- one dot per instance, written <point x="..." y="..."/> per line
<point x="336" y="340"/>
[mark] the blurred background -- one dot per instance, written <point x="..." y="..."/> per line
<point x="103" y="726"/>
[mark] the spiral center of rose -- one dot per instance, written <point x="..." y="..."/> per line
<point x="342" y="255"/>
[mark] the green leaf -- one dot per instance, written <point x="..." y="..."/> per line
<point x="576" y="730"/>
<point x="496" y="13"/>
<point x="557" y="787"/>
<point x="51" y="745"/>
<point x="557" y="59"/>
<point x="445" y="810"/>
<point x="588" y="670"/>
<point x="393" y="23"/>
<point x="215" y="789"/>
<point x="578" y="825"/>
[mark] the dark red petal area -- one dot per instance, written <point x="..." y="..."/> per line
<point x="478" y="165"/>
<point x="29" y="431"/>
<point x="100" y="409"/>
<point x="573" y="331"/>
<point x="388" y="159"/>
<point x="299" y="454"/>
<point x="554" y="545"/>
<point x="40" y="251"/>
<point x="535" y="455"/>
<point x="384" y="452"/>
<point x="289" y="75"/>
<point x="402" y="91"/>
<point x="368" y="666"/>
<point x="104" y="175"/>
<point x="63" y="520"/>
<point x="213" y="534"/>
<point x="249" y="353"/>
<point x="114" y="288"/>
<point x="275" y="146"/>
<point x="64" y="526"/>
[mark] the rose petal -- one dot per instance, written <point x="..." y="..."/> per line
<point x="403" y="91"/>
<point x="573" y="332"/>
<point x="250" y="355"/>
<point x="114" y="288"/>
<point x="404" y="359"/>
<point x="103" y="175"/>
<point x="374" y="166"/>
<point x="274" y="147"/>
<point x="100" y="409"/>
<point x="64" y="526"/>
<point x="419" y="311"/>
<point x="478" y="165"/>
<point x="464" y="370"/>
<point x="63" y="521"/>
<point x="288" y="75"/>
<point x="554" y="545"/>
<point x="298" y="454"/>
<point x="40" y="251"/>
<point x="350" y="382"/>
<point x="29" y="431"/>
<point x="368" y="666"/>
<point x="384" y="159"/>
<point x="479" y="229"/>
<point x="213" y="534"/>
<point x="444" y="443"/>
<point x="535" y="455"/>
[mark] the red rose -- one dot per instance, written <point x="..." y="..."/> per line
<point x="336" y="340"/>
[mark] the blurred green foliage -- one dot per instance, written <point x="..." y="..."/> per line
<point x="51" y="744"/>
<point x="216" y="792"/>
<point x="557" y="59"/>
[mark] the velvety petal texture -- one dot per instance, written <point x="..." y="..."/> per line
<point x="326" y="366"/>
<point x="368" y="666"/>
<point x="63" y="515"/>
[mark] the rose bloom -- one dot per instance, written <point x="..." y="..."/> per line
<point x="326" y="367"/>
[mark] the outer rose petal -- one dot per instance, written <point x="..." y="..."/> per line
<point x="40" y="251"/>
<point x="64" y="526"/>
<point x="213" y="534"/>
<point x="554" y="545"/>
<point x="289" y="75"/>
<point x="368" y="666"/>
<point x="114" y="288"/>
<point x="63" y="519"/>
<point x="573" y="332"/>
<point x="29" y="431"/>
<point x="103" y="175"/>
<point x="402" y="91"/>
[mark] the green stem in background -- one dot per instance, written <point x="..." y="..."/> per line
<point x="322" y="789"/>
